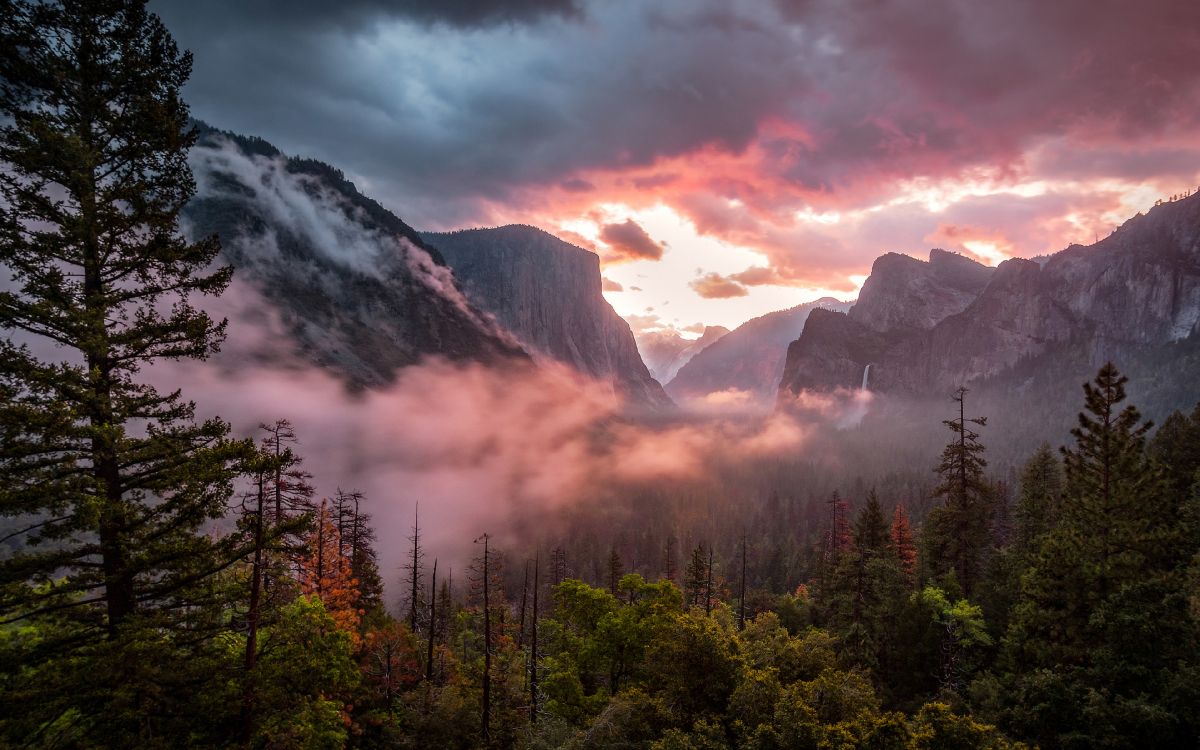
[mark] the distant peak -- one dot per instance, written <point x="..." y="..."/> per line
<point x="940" y="257"/>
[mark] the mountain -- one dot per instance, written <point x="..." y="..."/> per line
<point x="750" y="358"/>
<point x="664" y="352"/>
<point x="357" y="289"/>
<point x="903" y="293"/>
<point x="547" y="293"/>
<point x="1133" y="297"/>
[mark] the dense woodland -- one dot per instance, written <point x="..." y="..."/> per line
<point x="165" y="584"/>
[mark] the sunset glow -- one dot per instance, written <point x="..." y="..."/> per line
<point x="772" y="150"/>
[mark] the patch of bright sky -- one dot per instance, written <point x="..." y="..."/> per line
<point x="661" y="287"/>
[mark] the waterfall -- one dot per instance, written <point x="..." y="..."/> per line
<point x="866" y="371"/>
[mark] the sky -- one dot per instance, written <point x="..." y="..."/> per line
<point x="724" y="158"/>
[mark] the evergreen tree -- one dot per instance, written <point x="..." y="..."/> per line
<point x="1175" y="448"/>
<point x="695" y="576"/>
<point x="616" y="569"/>
<point x="871" y="533"/>
<point x="1040" y="499"/>
<point x="413" y="584"/>
<point x="901" y="544"/>
<point x="1101" y="636"/>
<point x="358" y="546"/>
<point x="957" y="531"/>
<point x="290" y="509"/>
<point x="669" y="571"/>
<point x="109" y="479"/>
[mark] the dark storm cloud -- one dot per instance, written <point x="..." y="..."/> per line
<point x="354" y="14"/>
<point x="437" y="107"/>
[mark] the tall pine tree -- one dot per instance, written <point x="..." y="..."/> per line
<point x="1101" y="637"/>
<point x="110" y="479"/>
<point x="957" y="530"/>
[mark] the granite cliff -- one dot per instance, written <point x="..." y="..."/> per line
<point x="547" y="293"/>
<point x="927" y="328"/>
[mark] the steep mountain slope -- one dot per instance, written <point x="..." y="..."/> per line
<point x="357" y="289"/>
<point x="1128" y="298"/>
<point x="664" y="352"/>
<point x="750" y="358"/>
<point x="547" y="293"/>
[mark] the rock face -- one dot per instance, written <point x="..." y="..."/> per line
<point x="751" y="357"/>
<point x="547" y="293"/>
<point x="665" y="352"/>
<point x="926" y="331"/>
<point x="358" y="290"/>
<point x="904" y="293"/>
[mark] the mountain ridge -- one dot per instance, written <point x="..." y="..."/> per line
<point x="1137" y="288"/>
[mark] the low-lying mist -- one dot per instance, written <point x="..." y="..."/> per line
<point x="496" y="449"/>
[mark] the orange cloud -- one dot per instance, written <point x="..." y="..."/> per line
<point x="716" y="286"/>
<point x="608" y="285"/>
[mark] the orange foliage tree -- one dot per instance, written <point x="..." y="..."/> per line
<point x="326" y="573"/>
<point x="902" y="542"/>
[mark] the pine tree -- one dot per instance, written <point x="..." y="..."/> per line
<point x="413" y="568"/>
<point x="856" y="590"/>
<point x="533" y="643"/>
<point x="485" y="575"/>
<point x="742" y="588"/>
<point x="108" y="481"/>
<point x="669" y="571"/>
<point x="1107" y="479"/>
<point x="262" y="537"/>
<point x="708" y="583"/>
<point x="957" y="531"/>
<point x="695" y="576"/>
<point x="358" y="546"/>
<point x="615" y="570"/>
<point x="93" y="174"/>
<point x="1100" y="632"/>
<point x="558" y="564"/>
<point x="901" y="543"/>
<point x="290" y="508"/>
<point x="1040" y="499"/>
<point x="871" y="532"/>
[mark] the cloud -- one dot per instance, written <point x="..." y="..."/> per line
<point x="749" y="119"/>
<point x="642" y="323"/>
<point x="357" y="15"/>
<point x="759" y="276"/>
<point x="576" y="185"/>
<point x="715" y="286"/>
<point x="628" y="241"/>
<point x="608" y="285"/>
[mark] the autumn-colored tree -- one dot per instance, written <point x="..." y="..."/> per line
<point x="390" y="662"/>
<point x="901" y="542"/>
<point x="358" y="546"/>
<point x="326" y="574"/>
